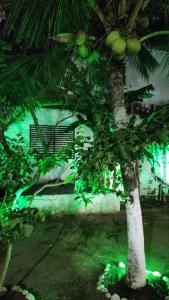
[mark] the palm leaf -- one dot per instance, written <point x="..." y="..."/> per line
<point x="33" y="21"/>
<point x="145" y="63"/>
<point x="32" y="75"/>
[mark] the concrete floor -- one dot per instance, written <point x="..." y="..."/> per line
<point x="64" y="257"/>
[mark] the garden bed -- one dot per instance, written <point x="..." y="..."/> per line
<point x="113" y="286"/>
<point x="77" y="248"/>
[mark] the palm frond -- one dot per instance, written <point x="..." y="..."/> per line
<point x="33" y="74"/>
<point x="160" y="46"/>
<point x="145" y="63"/>
<point x="33" y="21"/>
<point x="165" y="63"/>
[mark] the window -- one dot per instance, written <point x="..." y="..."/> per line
<point x="60" y="137"/>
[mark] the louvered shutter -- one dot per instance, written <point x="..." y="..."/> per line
<point x="60" y="137"/>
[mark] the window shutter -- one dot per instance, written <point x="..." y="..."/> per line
<point x="60" y="137"/>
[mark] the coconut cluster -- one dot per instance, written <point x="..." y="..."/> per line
<point x="82" y="48"/>
<point x="121" y="46"/>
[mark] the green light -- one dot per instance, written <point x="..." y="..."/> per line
<point x="157" y="274"/>
<point x="120" y="268"/>
<point x="165" y="278"/>
<point x="121" y="264"/>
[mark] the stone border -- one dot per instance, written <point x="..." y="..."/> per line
<point x="104" y="279"/>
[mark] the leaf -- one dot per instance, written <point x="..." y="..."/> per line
<point x="144" y="63"/>
<point x="69" y="178"/>
<point x="26" y="229"/>
<point x="148" y="154"/>
<point x="122" y="8"/>
<point x="145" y="4"/>
<point x="139" y="94"/>
<point x="62" y="37"/>
<point x="72" y="126"/>
<point x="12" y="223"/>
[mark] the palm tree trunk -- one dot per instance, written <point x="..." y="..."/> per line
<point x="136" y="271"/>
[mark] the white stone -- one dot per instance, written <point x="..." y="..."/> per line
<point x="108" y="295"/>
<point x="25" y="292"/>
<point x="29" y="297"/>
<point x="104" y="290"/>
<point x="16" y="288"/>
<point x="101" y="277"/>
<point x="108" y="265"/>
<point x="115" y="297"/>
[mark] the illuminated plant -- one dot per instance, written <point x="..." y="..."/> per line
<point x="56" y="54"/>
<point x="20" y="169"/>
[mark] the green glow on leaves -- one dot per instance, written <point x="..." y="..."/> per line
<point x="160" y="161"/>
<point x="165" y="278"/>
<point x="115" y="271"/>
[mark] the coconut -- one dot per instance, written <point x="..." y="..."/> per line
<point x="118" y="46"/>
<point x="133" y="46"/>
<point x="111" y="37"/>
<point x="80" y="38"/>
<point x="83" y="51"/>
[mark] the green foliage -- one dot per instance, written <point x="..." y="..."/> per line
<point x="18" y="224"/>
<point x="46" y="67"/>
<point x="16" y="166"/>
<point x="98" y="160"/>
<point x="20" y="169"/>
<point x="38" y="70"/>
<point x="37" y="23"/>
<point x="5" y="47"/>
<point x="139" y="95"/>
<point x="145" y="63"/>
<point x="16" y="171"/>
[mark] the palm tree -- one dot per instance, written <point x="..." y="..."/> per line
<point x="48" y="34"/>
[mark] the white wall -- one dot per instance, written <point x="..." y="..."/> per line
<point x="50" y="117"/>
<point x="65" y="203"/>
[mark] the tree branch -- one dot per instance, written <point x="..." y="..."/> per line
<point x="48" y="185"/>
<point x="134" y="15"/>
<point x="99" y="13"/>
<point x="52" y="134"/>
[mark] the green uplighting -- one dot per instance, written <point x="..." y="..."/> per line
<point x="121" y="264"/>
<point x="157" y="274"/>
<point x="154" y="273"/>
<point x="118" y="268"/>
<point x="165" y="278"/>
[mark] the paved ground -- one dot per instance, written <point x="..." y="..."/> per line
<point x="65" y="256"/>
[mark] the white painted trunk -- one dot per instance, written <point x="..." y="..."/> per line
<point x="136" y="270"/>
